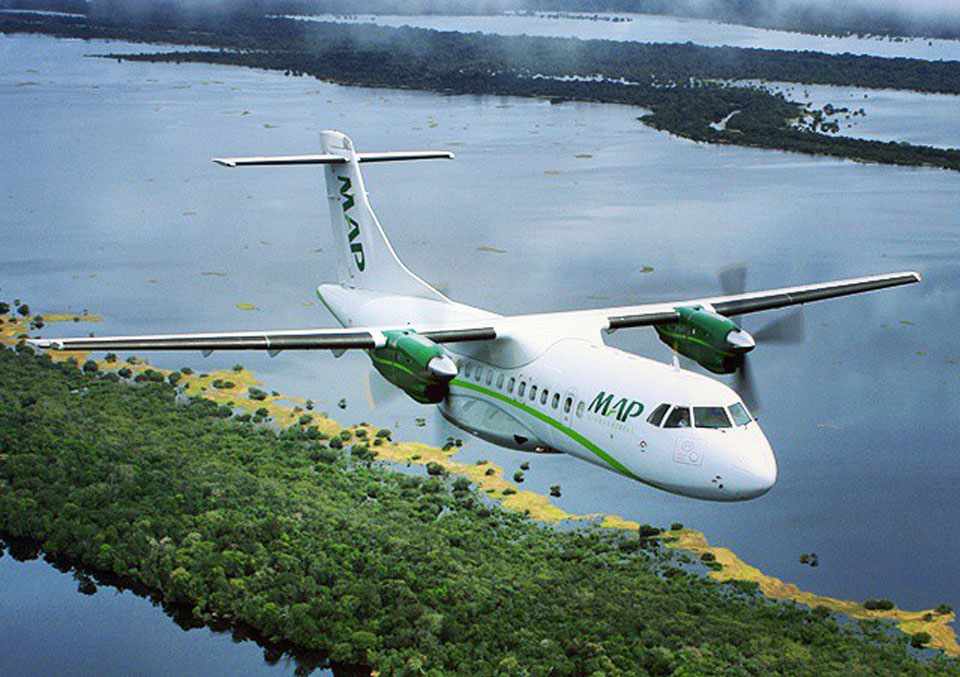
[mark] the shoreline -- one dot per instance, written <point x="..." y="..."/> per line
<point x="495" y="485"/>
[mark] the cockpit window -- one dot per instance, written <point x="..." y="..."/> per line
<point x="710" y="417"/>
<point x="678" y="418"/>
<point x="657" y="416"/>
<point x="739" y="414"/>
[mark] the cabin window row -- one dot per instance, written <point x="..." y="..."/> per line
<point x="520" y="388"/>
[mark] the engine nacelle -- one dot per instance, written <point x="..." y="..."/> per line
<point x="713" y="341"/>
<point x="416" y="365"/>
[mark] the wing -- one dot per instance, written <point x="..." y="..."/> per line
<point x="754" y="302"/>
<point x="364" y="338"/>
<point x="367" y="338"/>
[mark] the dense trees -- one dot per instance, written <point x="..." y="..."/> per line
<point x="324" y="549"/>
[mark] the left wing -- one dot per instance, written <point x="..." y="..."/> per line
<point x="754" y="302"/>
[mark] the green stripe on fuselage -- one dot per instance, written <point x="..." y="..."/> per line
<point x="566" y="430"/>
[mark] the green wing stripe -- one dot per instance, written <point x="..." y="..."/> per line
<point x="691" y="339"/>
<point x="569" y="432"/>
<point x="392" y="363"/>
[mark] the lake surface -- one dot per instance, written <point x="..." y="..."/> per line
<point x="890" y="114"/>
<point x="48" y="628"/>
<point x="111" y="203"/>
<point x="655" y="28"/>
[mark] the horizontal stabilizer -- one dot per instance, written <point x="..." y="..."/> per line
<point x="330" y="159"/>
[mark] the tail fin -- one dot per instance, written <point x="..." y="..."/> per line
<point x="365" y="258"/>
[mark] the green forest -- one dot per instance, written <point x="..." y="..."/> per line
<point x="685" y="87"/>
<point x="320" y="547"/>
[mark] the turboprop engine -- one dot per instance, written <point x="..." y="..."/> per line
<point x="415" y="364"/>
<point x="713" y="341"/>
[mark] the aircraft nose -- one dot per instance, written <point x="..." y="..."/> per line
<point x="757" y="471"/>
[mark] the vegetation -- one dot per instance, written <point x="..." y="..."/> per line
<point x="684" y="86"/>
<point x="878" y="604"/>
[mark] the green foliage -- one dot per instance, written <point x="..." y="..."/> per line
<point x="944" y="609"/>
<point x="525" y="465"/>
<point x="489" y="471"/>
<point x="256" y="394"/>
<point x="4" y="308"/>
<point x="306" y="419"/>
<point x="434" y="468"/>
<point x="24" y="309"/>
<point x="110" y="358"/>
<point x="518" y="476"/>
<point x="174" y="377"/>
<point x="238" y="368"/>
<point x="186" y="371"/>
<point x="918" y="640"/>
<point x="276" y="532"/>
<point x="223" y="384"/>
<point x="90" y="367"/>
<point x="878" y="604"/>
<point x="708" y="557"/>
<point x="125" y="372"/>
<point x="555" y="490"/>
<point x="384" y="433"/>
<point x="648" y="531"/>
<point x="676" y="526"/>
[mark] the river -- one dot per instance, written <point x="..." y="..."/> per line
<point x="111" y="203"/>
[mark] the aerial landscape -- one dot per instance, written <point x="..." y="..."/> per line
<point x="672" y="387"/>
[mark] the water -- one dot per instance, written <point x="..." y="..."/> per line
<point x="111" y="203"/>
<point x="653" y="28"/>
<point x="48" y="628"/>
<point x="891" y="115"/>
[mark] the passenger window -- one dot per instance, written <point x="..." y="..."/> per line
<point x="489" y="376"/>
<point x="533" y="393"/>
<point x="510" y="384"/>
<point x="567" y="403"/>
<point x="467" y="368"/>
<point x="500" y="380"/>
<point x="710" y="417"/>
<point x="522" y="388"/>
<point x="544" y="395"/>
<point x="656" y="417"/>
<point x="580" y="408"/>
<point x="678" y="418"/>
<point x="556" y="400"/>
<point x="739" y="414"/>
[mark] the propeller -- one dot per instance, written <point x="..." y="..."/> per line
<point x="379" y="391"/>
<point x="788" y="329"/>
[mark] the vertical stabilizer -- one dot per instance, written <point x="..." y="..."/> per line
<point x="365" y="258"/>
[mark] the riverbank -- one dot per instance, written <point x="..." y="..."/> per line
<point x="675" y="82"/>
<point x="301" y="462"/>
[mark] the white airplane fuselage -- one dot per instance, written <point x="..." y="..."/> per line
<point x="561" y="389"/>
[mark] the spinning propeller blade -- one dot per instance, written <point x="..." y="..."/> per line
<point x="379" y="391"/>
<point x="788" y="329"/>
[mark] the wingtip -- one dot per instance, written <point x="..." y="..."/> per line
<point x="917" y="276"/>
<point x="224" y="162"/>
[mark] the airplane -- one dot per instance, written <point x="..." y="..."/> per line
<point x="534" y="382"/>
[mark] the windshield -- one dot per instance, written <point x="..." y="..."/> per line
<point x="739" y="414"/>
<point x="678" y="418"/>
<point x="711" y="417"/>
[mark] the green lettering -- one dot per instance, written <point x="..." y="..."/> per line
<point x="357" y="250"/>
<point x="635" y="409"/>
<point x="601" y="403"/>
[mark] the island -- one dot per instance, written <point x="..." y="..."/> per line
<point x="683" y="89"/>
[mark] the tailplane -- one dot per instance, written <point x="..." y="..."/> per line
<point x="365" y="258"/>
